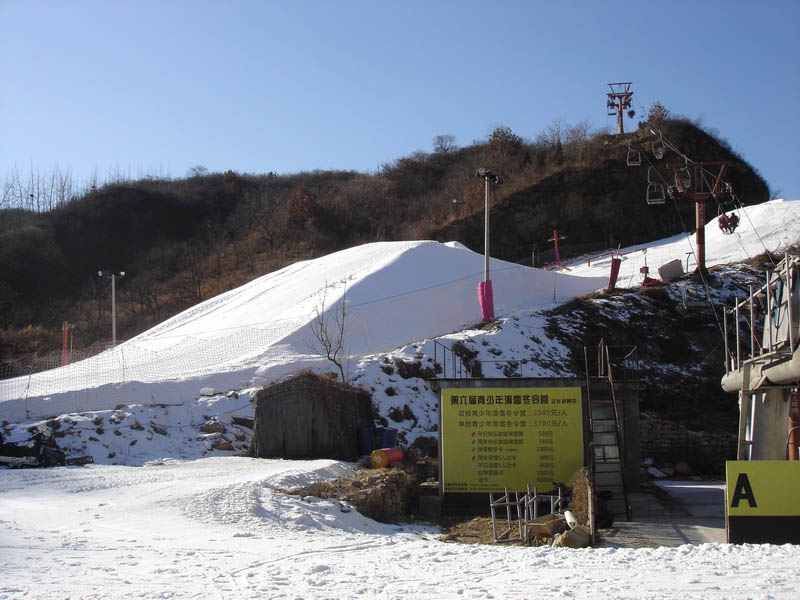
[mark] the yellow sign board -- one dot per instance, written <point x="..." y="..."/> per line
<point x="494" y="438"/>
<point x="763" y="488"/>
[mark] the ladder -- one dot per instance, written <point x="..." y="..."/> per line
<point x="608" y="452"/>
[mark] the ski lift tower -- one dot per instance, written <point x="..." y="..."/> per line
<point x="619" y="101"/>
<point x="706" y="185"/>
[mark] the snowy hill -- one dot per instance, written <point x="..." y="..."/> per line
<point x="399" y="296"/>
<point x="395" y="293"/>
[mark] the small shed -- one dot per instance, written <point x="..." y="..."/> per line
<point x="310" y="416"/>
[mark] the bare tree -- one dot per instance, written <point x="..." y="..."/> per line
<point x="577" y="141"/>
<point x="657" y="115"/>
<point x="444" y="143"/>
<point x="262" y="211"/>
<point x="197" y="171"/>
<point x="147" y="296"/>
<point x="328" y="330"/>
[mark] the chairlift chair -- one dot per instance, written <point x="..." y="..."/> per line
<point x="725" y="190"/>
<point x="655" y="193"/>
<point x="672" y="192"/>
<point x="727" y="223"/>
<point x="724" y="206"/>
<point x="694" y="299"/>
<point x="659" y="147"/>
<point x="683" y="178"/>
<point x="634" y="157"/>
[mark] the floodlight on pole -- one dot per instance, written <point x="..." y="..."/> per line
<point x="113" y="276"/>
<point x="485" y="295"/>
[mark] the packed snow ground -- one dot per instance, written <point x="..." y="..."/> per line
<point x="216" y="528"/>
<point x="192" y="520"/>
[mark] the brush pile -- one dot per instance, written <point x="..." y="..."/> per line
<point x="381" y="494"/>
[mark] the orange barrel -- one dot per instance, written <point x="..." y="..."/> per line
<point x="385" y="456"/>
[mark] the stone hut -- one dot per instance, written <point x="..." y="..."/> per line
<point x="310" y="416"/>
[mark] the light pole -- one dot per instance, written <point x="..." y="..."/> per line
<point x="485" y="295"/>
<point x="113" y="277"/>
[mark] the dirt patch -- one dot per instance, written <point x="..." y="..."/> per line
<point x="408" y="368"/>
<point x="381" y="494"/>
<point x="478" y="530"/>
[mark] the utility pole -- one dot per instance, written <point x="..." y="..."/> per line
<point x="619" y="101"/>
<point x="485" y="295"/>
<point x="113" y="277"/>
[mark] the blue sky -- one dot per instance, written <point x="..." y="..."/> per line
<point x="153" y="88"/>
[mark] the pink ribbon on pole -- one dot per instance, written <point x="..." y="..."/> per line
<point x="486" y="300"/>
<point x="612" y="277"/>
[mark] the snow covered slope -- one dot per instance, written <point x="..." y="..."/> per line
<point x="395" y="293"/>
<point x="769" y="227"/>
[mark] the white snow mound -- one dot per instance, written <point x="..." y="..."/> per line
<point x="394" y="293"/>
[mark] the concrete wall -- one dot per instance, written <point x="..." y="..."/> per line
<point x="668" y="442"/>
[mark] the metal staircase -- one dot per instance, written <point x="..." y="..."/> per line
<point x="608" y="451"/>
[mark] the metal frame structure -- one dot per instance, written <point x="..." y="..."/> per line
<point x="527" y="509"/>
<point x="770" y="370"/>
<point x="619" y="100"/>
<point x="701" y="191"/>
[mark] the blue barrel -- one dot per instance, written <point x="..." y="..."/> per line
<point x="386" y="437"/>
<point x="366" y="441"/>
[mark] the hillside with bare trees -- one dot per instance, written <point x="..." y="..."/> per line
<point x="180" y="241"/>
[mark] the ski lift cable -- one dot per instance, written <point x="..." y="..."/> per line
<point x="760" y="239"/>
<point x="671" y="146"/>
<point x="686" y="159"/>
<point x="689" y="241"/>
<point x="707" y="173"/>
<point x="704" y="172"/>
<point x="741" y="245"/>
<point x="683" y="224"/>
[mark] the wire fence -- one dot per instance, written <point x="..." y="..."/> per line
<point x="125" y="374"/>
<point x="36" y="364"/>
<point x="452" y="364"/>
